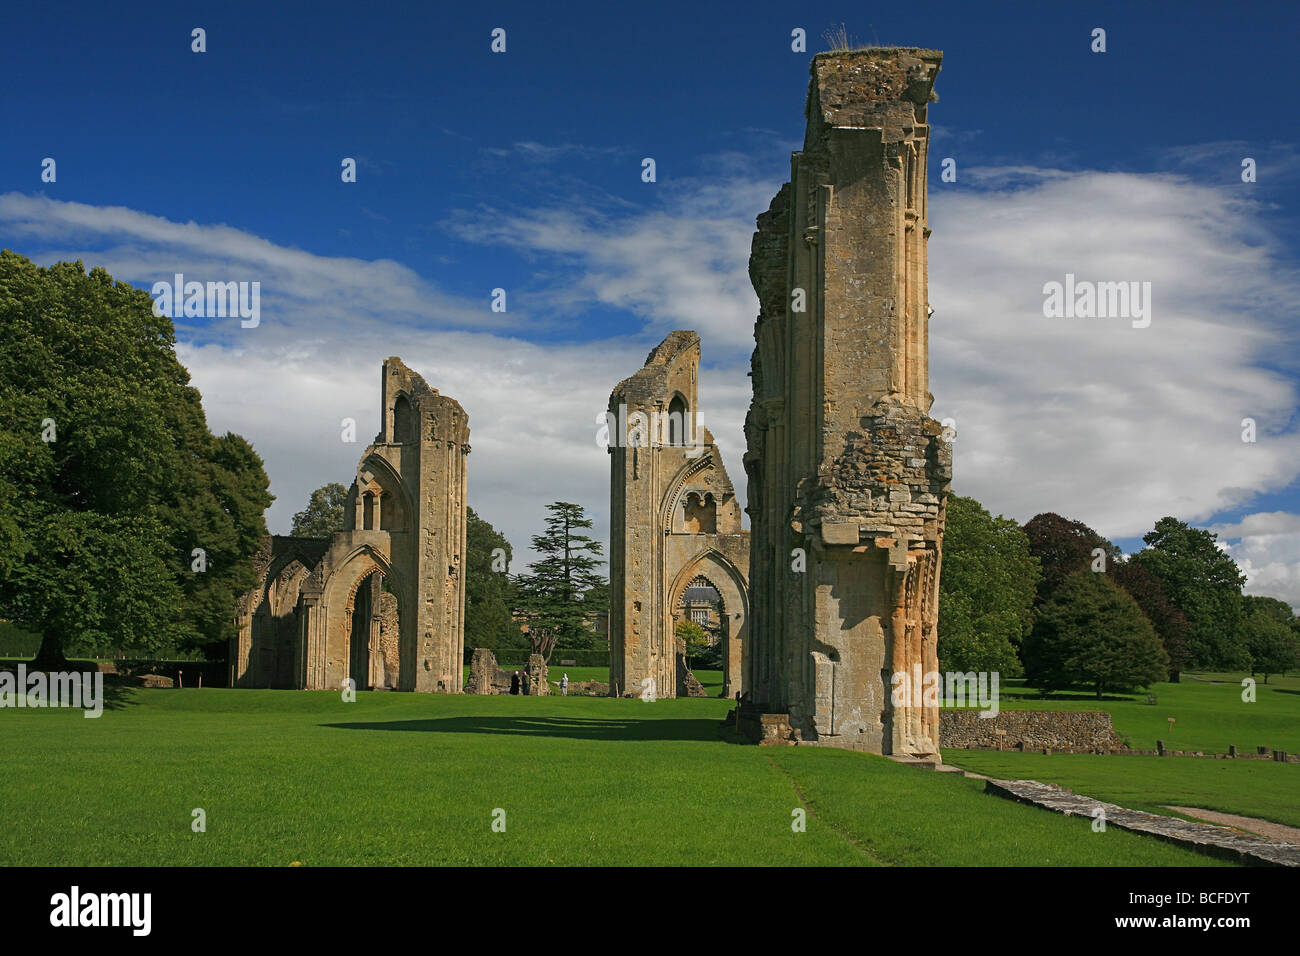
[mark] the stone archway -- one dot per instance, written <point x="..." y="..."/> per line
<point x="355" y="644"/>
<point x="725" y="578"/>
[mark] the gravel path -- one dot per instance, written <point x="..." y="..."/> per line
<point x="1278" y="831"/>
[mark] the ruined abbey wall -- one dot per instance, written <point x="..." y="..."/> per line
<point x="847" y="472"/>
<point x="404" y="523"/>
<point x="674" y="520"/>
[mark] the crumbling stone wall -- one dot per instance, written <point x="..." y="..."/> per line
<point x="688" y="685"/>
<point x="405" y="520"/>
<point x="485" y="675"/>
<point x="847" y="472"/>
<point x="674" y="519"/>
<point x="1084" y="731"/>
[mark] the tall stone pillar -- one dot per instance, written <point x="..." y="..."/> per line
<point x="848" y="474"/>
<point x="438" y="477"/>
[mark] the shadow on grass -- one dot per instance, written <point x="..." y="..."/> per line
<point x="578" y="728"/>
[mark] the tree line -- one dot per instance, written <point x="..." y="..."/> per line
<point x="1057" y="603"/>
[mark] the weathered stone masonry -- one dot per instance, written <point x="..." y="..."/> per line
<point x="320" y="614"/>
<point x="674" y="522"/>
<point x="847" y="472"/>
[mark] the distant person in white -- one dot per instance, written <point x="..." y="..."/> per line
<point x="564" y="686"/>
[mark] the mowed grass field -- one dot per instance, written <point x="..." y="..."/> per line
<point x="293" y="776"/>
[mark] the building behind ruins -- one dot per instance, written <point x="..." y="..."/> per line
<point x="847" y="472"/>
<point x="675" y="525"/>
<point x="383" y="600"/>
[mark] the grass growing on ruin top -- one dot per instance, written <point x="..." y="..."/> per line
<point x="287" y="776"/>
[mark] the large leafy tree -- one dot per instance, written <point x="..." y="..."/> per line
<point x="1171" y="625"/>
<point x="1269" y="630"/>
<point x="125" y="522"/>
<point x="1205" y="584"/>
<point x="1092" y="632"/>
<point x="551" y="594"/>
<point x="1063" y="547"/>
<point x="488" y="621"/>
<point x="986" y="590"/>
<point x="324" y="513"/>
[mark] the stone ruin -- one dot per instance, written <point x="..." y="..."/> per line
<point x="487" y="677"/>
<point x="848" y="474"/>
<point x="536" y="684"/>
<point x="382" y="601"/>
<point x="674" y="524"/>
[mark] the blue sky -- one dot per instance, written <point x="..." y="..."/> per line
<point x="522" y="171"/>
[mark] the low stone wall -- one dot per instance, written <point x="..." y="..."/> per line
<point x="1083" y="731"/>
<point x="584" y="688"/>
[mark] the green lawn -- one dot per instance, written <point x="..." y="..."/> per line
<point x="1252" y="788"/>
<point x="414" y="779"/>
<point x="1207" y="716"/>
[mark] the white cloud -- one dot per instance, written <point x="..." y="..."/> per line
<point x="531" y="412"/>
<point x="1093" y="419"/>
<point x="1266" y="546"/>
<point x="302" y="294"/>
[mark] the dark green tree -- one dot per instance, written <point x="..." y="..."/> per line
<point x="1091" y="632"/>
<point x="1205" y="584"/>
<point x="986" y="590"/>
<point x="551" y="593"/>
<point x="126" y="523"/>
<point x="1171" y="625"/>
<point x="1063" y="547"/>
<point x="1268" y="627"/>
<point x="324" y="513"/>
<point x="488" y="621"/>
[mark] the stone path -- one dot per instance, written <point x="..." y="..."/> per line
<point x="1267" y="828"/>
<point x="1266" y="843"/>
<point x="1213" y="840"/>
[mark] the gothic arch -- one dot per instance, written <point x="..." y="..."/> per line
<point x="679" y="415"/>
<point x="406" y="424"/>
<point x="680" y="486"/>
<point x="340" y="599"/>
<point x="718" y="570"/>
<point x="391" y="482"/>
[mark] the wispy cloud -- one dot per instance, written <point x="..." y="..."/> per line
<point x="303" y="294"/>
<point x="1095" y="419"/>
